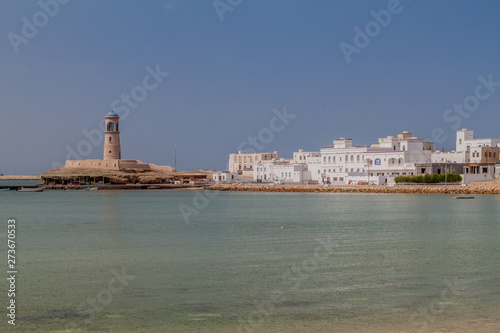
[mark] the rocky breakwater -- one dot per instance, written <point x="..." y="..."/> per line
<point x="411" y="189"/>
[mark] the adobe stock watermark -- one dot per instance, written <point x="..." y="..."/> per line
<point x="223" y="6"/>
<point x="122" y="107"/>
<point x="425" y="315"/>
<point x="30" y="28"/>
<point x="201" y="201"/>
<point x="295" y="275"/>
<point x="95" y="305"/>
<point x="363" y="37"/>
<point x="455" y="115"/>
<point x="277" y="124"/>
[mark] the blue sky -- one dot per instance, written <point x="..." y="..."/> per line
<point x="225" y="77"/>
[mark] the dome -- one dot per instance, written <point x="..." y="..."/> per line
<point x="112" y="114"/>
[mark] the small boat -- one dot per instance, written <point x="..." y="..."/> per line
<point x="463" y="197"/>
<point x="5" y="189"/>
<point x="93" y="188"/>
<point x="154" y="187"/>
<point x="78" y="189"/>
<point x="31" y="189"/>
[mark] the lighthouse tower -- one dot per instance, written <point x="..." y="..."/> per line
<point x="112" y="150"/>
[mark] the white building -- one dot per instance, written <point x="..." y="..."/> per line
<point x="344" y="163"/>
<point x="389" y="157"/>
<point x="225" y="177"/>
<point x="283" y="170"/>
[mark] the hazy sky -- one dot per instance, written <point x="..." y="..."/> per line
<point x="357" y="69"/>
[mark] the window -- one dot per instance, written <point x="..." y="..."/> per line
<point x="333" y="159"/>
<point x="377" y="161"/>
<point x="404" y="147"/>
<point x="329" y="159"/>
<point x="352" y="158"/>
<point x="109" y="139"/>
<point x="357" y="158"/>
<point x="111" y="127"/>
<point x="460" y="141"/>
<point x="340" y="158"/>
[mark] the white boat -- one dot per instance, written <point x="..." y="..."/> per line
<point x="31" y="189"/>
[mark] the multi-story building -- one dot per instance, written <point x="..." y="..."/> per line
<point x="244" y="161"/>
<point x="344" y="163"/>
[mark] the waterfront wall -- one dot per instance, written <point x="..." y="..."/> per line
<point x="412" y="189"/>
<point x="20" y="178"/>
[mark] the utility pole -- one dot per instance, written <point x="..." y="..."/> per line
<point x="175" y="157"/>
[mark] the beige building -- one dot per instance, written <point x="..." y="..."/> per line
<point x="240" y="161"/>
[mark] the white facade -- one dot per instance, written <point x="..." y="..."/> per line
<point x="347" y="164"/>
<point x="449" y="157"/>
<point x="281" y="171"/>
<point x="225" y="177"/>
<point x="466" y="141"/>
<point x="389" y="157"/>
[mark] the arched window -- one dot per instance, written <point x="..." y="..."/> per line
<point x="333" y="159"/>
<point x="460" y="141"/>
<point x="394" y="147"/>
<point x="377" y="161"/>
<point x="404" y="147"/>
<point x="117" y="128"/>
<point x="352" y="158"/>
<point x="111" y="127"/>
<point x="109" y="139"/>
<point x="329" y="159"/>
<point x="357" y="158"/>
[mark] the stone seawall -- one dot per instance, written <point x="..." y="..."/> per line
<point x="412" y="189"/>
<point x="20" y="177"/>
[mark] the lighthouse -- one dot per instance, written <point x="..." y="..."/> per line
<point x="112" y="149"/>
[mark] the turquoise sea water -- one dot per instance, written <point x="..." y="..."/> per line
<point x="129" y="261"/>
<point x="19" y="182"/>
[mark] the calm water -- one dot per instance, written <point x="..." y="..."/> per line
<point x="341" y="262"/>
<point x="19" y="182"/>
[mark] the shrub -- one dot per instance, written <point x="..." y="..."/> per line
<point x="429" y="179"/>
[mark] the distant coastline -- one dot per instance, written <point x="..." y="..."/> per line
<point x="409" y="189"/>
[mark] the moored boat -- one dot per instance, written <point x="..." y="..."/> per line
<point x="31" y="189"/>
<point x="463" y="197"/>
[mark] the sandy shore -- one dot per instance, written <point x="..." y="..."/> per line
<point x="412" y="189"/>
